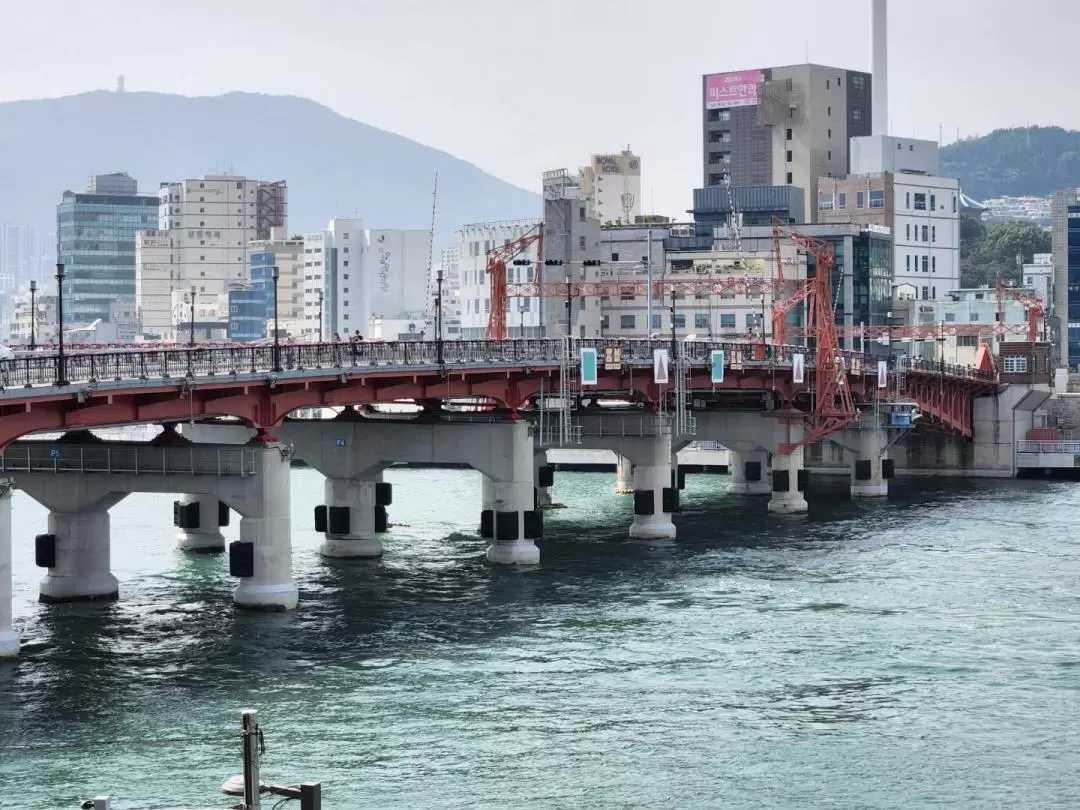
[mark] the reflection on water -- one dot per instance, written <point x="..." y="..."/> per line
<point x="909" y="653"/>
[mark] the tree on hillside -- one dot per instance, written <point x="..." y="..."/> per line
<point x="992" y="254"/>
<point x="1015" y="162"/>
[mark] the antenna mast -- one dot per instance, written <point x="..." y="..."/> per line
<point x="439" y="276"/>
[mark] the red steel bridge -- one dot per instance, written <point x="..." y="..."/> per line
<point x="262" y="385"/>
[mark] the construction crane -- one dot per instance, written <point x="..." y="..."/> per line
<point x="1033" y="306"/>
<point x="497" y="259"/>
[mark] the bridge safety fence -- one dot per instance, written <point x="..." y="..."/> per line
<point x="137" y="460"/>
<point x="47" y="368"/>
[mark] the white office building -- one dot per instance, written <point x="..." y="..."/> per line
<point x="354" y="275"/>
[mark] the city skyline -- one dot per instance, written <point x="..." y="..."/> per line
<point x="647" y="93"/>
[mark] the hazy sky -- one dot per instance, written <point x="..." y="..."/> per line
<point x="520" y="86"/>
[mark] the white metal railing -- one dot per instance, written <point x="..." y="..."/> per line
<point x="1047" y="447"/>
<point x="630" y="427"/>
<point x="706" y="446"/>
<point x="56" y="458"/>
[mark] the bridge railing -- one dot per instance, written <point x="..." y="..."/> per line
<point x="165" y="363"/>
<point x="1025" y="446"/>
<point x="57" y="458"/>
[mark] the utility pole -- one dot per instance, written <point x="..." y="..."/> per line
<point x="320" y="316"/>
<point x="33" y="314"/>
<point x="252" y="748"/>
<point x="191" y="332"/>
<point x="648" y="281"/>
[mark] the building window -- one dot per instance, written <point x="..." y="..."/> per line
<point x="841" y="201"/>
<point x="907" y="262"/>
<point x="581" y="242"/>
<point x="787" y="135"/>
<point x="920" y="201"/>
<point x="787" y="156"/>
<point x="933" y="202"/>
<point x="925" y="293"/>
<point x="926" y="233"/>
<point x="857" y="83"/>
<point x="829" y="155"/>
<point x="826" y="84"/>
<point x="877" y="199"/>
<point x="626" y="321"/>
<point x="860" y="199"/>
<point x="954" y="204"/>
<point x="345" y="249"/>
<point x="933" y="264"/>
<point x="727" y="320"/>
<point x="907" y="231"/>
<point x="1016" y="364"/>
<point x="933" y="233"/>
<point x="907" y="200"/>
<point x="655" y="321"/>
<point x="829" y="133"/>
<point x="701" y="320"/>
<point x="828" y="111"/>
<point x="614" y="257"/>
<point x="926" y="264"/>
<point x="856" y="114"/>
<point x="825" y="202"/>
<point x="680" y="320"/>
<point x="789" y="180"/>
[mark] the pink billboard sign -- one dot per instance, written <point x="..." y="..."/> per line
<point x="732" y="89"/>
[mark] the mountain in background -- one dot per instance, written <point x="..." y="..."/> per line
<point x="334" y="166"/>
<point x="1015" y="162"/>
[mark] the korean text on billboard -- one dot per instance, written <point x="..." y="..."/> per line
<point x="732" y="89"/>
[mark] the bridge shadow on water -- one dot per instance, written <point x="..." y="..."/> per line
<point x="177" y="632"/>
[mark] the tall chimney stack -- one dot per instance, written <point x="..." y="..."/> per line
<point x="879" y="65"/>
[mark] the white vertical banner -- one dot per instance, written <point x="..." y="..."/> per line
<point x="660" y="365"/>
<point x="882" y="374"/>
<point x="798" y="368"/>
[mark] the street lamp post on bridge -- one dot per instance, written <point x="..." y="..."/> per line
<point x="275" y="275"/>
<point x="33" y="314"/>
<point x="61" y="362"/>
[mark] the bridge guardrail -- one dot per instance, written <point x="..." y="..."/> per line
<point x="144" y="460"/>
<point x="1025" y="446"/>
<point x="43" y="369"/>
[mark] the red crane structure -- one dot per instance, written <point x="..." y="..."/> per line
<point x="497" y="259"/>
<point x="1033" y="306"/>
<point x="833" y="406"/>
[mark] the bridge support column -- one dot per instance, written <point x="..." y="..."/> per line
<point x="76" y="552"/>
<point x="749" y="473"/>
<point x="269" y="585"/>
<point x="200" y="518"/>
<point x="543" y="478"/>
<point x="788" y="483"/>
<point x="656" y="493"/>
<point x="871" y="472"/>
<point x="9" y="639"/>
<point x="624" y="476"/>
<point x="354" y="512"/>
<point x="510" y="518"/>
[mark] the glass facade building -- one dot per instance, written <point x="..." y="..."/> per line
<point x="96" y="243"/>
<point x="247" y="314"/>
<point x="1073" y="279"/>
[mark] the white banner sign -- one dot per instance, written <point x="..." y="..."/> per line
<point x="659" y="364"/>
<point x="798" y="368"/>
<point x="882" y="374"/>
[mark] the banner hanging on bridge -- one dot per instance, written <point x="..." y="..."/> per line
<point x="718" y="366"/>
<point x="798" y="368"/>
<point x="882" y="374"/>
<point x="588" y="367"/>
<point x="659" y="364"/>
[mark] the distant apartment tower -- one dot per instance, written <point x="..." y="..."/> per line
<point x="360" y="274"/>
<point x="209" y="223"/>
<point x="25" y="254"/>
<point x="97" y="245"/>
<point x="612" y="186"/>
<point x="783" y="126"/>
<point x="287" y="255"/>
<point x="451" y="293"/>
<point x="895" y="189"/>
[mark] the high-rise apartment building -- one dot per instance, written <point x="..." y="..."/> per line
<point x="287" y="255"/>
<point x="612" y="186"/>
<point x="97" y="244"/>
<point x="25" y="254"/>
<point x="783" y="126"/>
<point x="209" y="224"/>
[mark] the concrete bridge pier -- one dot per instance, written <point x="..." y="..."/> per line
<point x="656" y="494"/>
<point x="267" y="525"/>
<point x="9" y="639"/>
<point x="788" y="478"/>
<point x="871" y="471"/>
<point x="354" y="514"/>
<point x="200" y="518"/>
<point x="543" y="478"/>
<point x="624" y="475"/>
<point x="750" y="472"/>
<point x="510" y="522"/>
